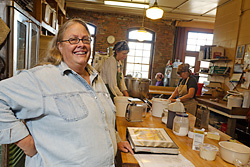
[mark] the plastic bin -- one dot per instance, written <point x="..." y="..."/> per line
<point x="200" y="86"/>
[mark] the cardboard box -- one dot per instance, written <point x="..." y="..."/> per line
<point x="217" y="52"/>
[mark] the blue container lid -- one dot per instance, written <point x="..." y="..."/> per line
<point x="181" y="114"/>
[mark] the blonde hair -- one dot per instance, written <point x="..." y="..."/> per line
<point x="54" y="56"/>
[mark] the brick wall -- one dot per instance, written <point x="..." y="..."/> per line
<point x="117" y="25"/>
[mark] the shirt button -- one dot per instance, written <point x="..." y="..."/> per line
<point x="106" y="129"/>
<point x="95" y="97"/>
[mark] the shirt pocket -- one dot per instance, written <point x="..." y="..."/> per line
<point x="71" y="107"/>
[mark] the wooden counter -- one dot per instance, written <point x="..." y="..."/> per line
<point x="221" y="108"/>
<point x="158" y="90"/>
<point x="184" y="143"/>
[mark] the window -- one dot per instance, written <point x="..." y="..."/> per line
<point x="92" y="31"/>
<point x="191" y="61"/>
<point x="194" y="41"/>
<point x="197" y="39"/>
<point x="139" y="58"/>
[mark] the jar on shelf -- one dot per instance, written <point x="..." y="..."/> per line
<point x="181" y="124"/>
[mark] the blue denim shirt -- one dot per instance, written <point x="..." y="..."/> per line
<point x="72" y="122"/>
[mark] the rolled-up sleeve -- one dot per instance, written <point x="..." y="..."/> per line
<point x="123" y="85"/>
<point x="20" y="99"/>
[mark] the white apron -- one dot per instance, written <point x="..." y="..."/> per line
<point x="190" y="105"/>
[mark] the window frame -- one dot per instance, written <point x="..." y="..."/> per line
<point x="145" y="41"/>
<point x="193" y="53"/>
<point x="94" y="42"/>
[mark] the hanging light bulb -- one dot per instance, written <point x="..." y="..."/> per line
<point x="154" y="12"/>
<point x="141" y="34"/>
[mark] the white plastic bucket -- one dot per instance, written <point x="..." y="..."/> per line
<point x="234" y="101"/>
<point x="158" y="105"/>
<point x="246" y="101"/>
<point x="121" y="103"/>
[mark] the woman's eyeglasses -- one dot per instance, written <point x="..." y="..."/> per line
<point x="74" y="41"/>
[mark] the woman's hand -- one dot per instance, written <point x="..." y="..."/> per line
<point x="27" y="144"/>
<point x="124" y="146"/>
<point x="172" y="100"/>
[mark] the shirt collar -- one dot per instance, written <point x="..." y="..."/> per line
<point x="64" y="69"/>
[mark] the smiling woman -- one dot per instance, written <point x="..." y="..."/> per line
<point x="62" y="98"/>
<point x="75" y="48"/>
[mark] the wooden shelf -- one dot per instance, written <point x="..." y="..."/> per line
<point x="226" y="75"/>
<point x="49" y="28"/>
<point x="216" y="60"/>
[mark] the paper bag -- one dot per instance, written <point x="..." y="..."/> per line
<point x="202" y="118"/>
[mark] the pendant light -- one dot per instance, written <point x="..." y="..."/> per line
<point x="154" y="12"/>
<point x="142" y="32"/>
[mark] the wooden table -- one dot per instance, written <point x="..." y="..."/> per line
<point x="184" y="143"/>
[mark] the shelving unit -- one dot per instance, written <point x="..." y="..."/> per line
<point x="214" y="61"/>
<point x="225" y="75"/>
<point x="39" y="13"/>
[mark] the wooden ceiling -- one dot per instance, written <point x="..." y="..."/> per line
<point x="195" y="10"/>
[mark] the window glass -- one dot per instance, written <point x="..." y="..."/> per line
<point x="194" y="41"/>
<point x="130" y="59"/>
<point x="204" y="64"/>
<point x="145" y="60"/>
<point x="197" y="39"/>
<point x="147" y="46"/>
<point x="139" y="56"/>
<point x="139" y="46"/>
<point x="132" y="45"/>
<point x="146" y="53"/>
<point x="138" y="59"/>
<point x="134" y="35"/>
<point x="191" y="61"/>
<point x="138" y="52"/>
<point x="92" y="31"/>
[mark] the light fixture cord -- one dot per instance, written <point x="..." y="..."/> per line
<point x="143" y="15"/>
